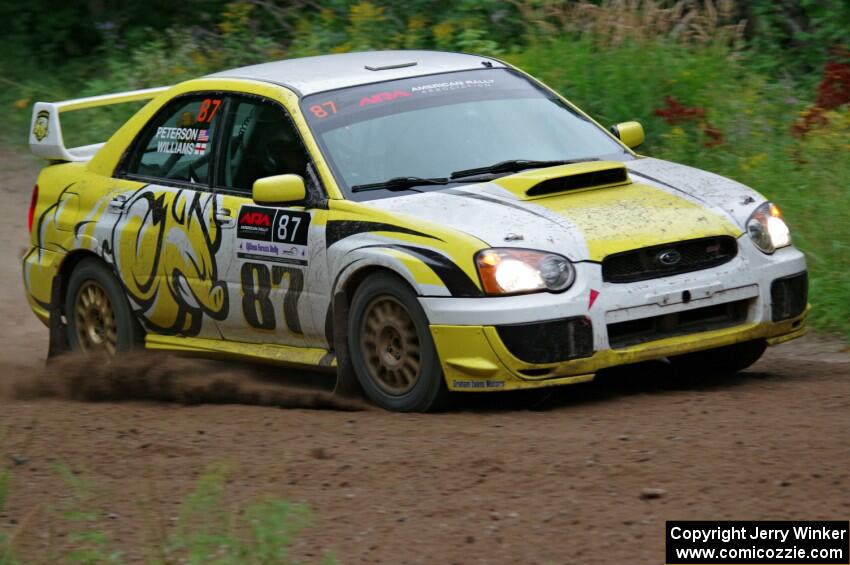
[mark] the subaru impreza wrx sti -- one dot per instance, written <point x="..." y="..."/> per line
<point x="418" y="222"/>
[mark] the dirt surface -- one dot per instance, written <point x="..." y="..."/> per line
<point x="589" y="474"/>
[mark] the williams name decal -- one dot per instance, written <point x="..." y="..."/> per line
<point x="268" y="234"/>
<point x="182" y="141"/>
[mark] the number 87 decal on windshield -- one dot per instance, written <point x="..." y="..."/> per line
<point x="275" y="236"/>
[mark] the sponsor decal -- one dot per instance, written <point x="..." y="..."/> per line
<point x="478" y="384"/>
<point x="269" y="234"/>
<point x="383" y="97"/>
<point x="452" y="85"/>
<point x="40" y="128"/>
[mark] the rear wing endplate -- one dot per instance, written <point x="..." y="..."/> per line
<point x="46" y="129"/>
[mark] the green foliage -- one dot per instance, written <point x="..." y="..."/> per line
<point x="616" y="60"/>
<point x="754" y="115"/>
<point x="793" y="38"/>
<point x="81" y="511"/>
<point x="209" y="529"/>
<point x="6" y="557"/>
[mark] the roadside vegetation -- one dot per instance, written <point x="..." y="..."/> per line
<point x="209" y="529"/>
<point x="757" y="91"/>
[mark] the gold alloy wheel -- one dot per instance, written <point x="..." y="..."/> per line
<point x="97" y="331"/>
<point x="390" y="345"/>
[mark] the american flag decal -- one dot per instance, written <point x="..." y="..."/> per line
<point x="200" y="148"/>
<point x="203" y="135"/>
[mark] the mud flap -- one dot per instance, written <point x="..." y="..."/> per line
<point x="58" y="330"/>
<point x="346" y="380"/>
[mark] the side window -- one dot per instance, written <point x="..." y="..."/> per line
<point x="178" y="145"/>
<point x="261" y="142"/>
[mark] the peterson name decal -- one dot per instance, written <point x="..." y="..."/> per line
<point x="182" y="141"/>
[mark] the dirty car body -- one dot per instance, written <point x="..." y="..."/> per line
<point x="538" y="246"/>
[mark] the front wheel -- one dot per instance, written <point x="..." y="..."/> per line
<point x="391" y="347"/>
<point x="722" y="360"/>
<point x="100" y="321"/>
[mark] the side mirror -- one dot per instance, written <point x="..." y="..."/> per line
<point x="630" y="133"/>
<point x="279" y="190"/>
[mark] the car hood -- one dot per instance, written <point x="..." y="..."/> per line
<point x="659" y="203"/>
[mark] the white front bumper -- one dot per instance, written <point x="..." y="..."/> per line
<point x="747" y="276"/>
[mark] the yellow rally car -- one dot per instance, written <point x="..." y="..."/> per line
<point x="419" y="222"/>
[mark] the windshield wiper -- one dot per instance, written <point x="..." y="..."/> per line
<point x="514" y="166"/>
<point x="399" y="183"/>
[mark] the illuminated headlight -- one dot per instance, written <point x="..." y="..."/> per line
<point x="517" y="271"/>
<point x="767" y="229"/>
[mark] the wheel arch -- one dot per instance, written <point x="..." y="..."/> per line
<point x="350" y="279"/>
<point x="67" y="266"/>
<point x="58" y="343"/>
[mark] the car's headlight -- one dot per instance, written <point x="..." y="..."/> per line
<point x="517" y="271"/>
<point x="767" y="229"/>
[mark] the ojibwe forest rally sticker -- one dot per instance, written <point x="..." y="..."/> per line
<point x="272" y="235"/>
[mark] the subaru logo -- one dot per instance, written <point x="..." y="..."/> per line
<point x="669" y="257"/>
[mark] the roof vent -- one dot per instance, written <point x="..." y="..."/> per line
<point x="388" y="67"/>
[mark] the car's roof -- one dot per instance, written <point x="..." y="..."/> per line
<point x="309" y="75"/>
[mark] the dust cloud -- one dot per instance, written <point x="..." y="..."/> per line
<point x="145" y="376"/>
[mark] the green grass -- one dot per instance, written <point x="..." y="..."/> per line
<point x="806" y="176"/>
<point x="210" y="528"/>
<point x="753" y="111"/>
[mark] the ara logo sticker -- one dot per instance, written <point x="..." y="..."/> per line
<point x="40" y="127"/>
<point x="383" y="97"/>
<point x="255" y="223"/>
<point x="255" y="219"/>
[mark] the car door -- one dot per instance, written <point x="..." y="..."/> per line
<point x="277" y="276"/>
<point x="164" y="235"/>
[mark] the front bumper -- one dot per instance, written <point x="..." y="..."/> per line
<point x="475" y="358"/>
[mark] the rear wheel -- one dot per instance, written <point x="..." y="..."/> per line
<point x="727" y="359"/>
<point x="100" y="321"/>
<point x="391" y="347"/>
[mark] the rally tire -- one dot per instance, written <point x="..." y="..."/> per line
<point x="391" y="348"/>
<point x="98" y="314"/>
<point x="720" y="360"/>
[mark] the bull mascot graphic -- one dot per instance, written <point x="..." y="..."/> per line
<point x="164" y="246"/>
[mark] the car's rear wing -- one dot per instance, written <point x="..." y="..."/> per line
<point x="46" y="130"/>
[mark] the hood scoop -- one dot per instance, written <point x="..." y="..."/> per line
<point x="538" y="183"/>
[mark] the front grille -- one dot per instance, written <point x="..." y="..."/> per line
<point x="789" y="296"/>
<point x="670" y="259"/>
<point x="549" y="342"/>
<point x="624" y="334"/>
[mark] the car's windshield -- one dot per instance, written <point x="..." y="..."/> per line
<point x="434" y="125"/>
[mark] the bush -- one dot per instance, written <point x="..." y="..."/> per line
<point x="208" y="530"/>
<point x="710" y="81"/>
